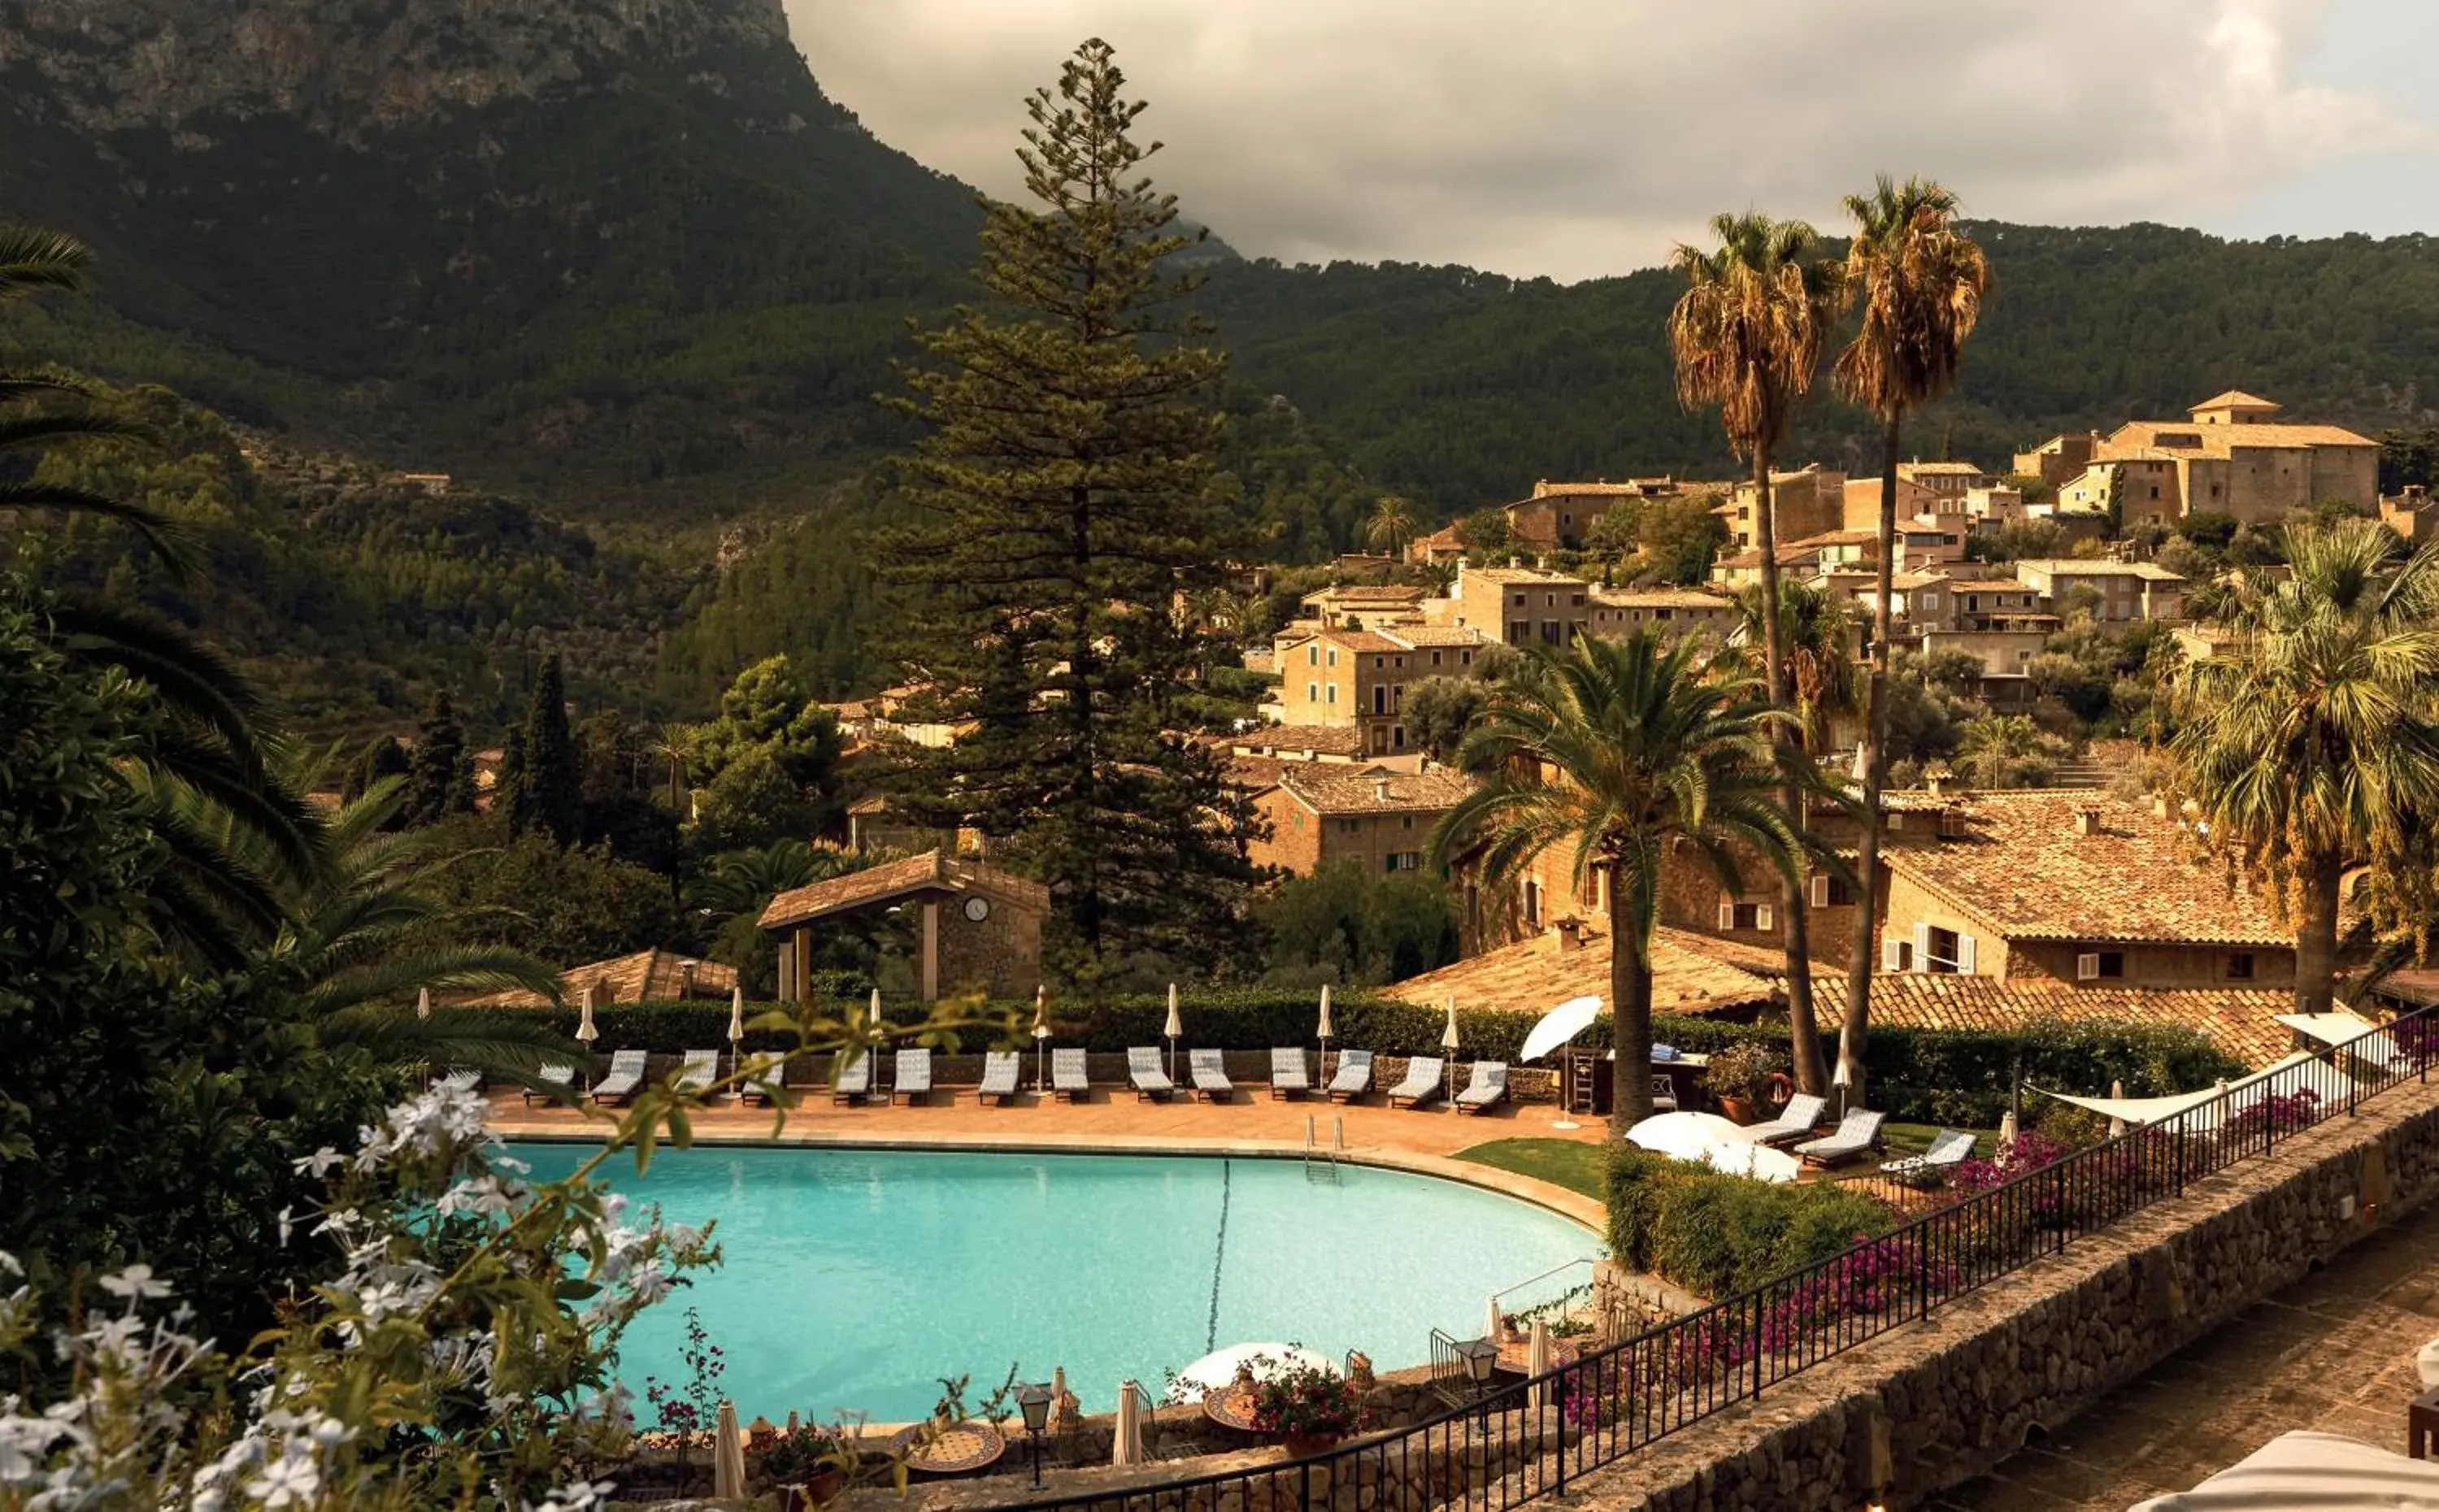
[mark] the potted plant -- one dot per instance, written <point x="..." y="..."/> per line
<point x="1740" y="1074"/>
<point x="807" y="1465"/>
<point x="1311" y="1407"/>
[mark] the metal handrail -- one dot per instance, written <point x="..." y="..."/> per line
<point x="1524" y="1440"/>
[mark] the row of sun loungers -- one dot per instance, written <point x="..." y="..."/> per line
<point x="1003" y="1072"/>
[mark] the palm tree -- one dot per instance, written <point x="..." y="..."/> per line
<point x="1619" y="749"/>
<point x="2311" y="739"/>
<point x="1817" y="637"/>
<point x="1992" y="747"/>
<point x="1747" y="335"/>
<point x="1390" y="526"/>
<point x="1921" y="282"/>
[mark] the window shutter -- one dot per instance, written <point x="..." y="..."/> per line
<point x="1765" y="917"/>
<point x="1895" y="821"/>
<point x="2087" y="966"/>
<point x="1818" y="888"/>
<point x="1964" y="955"/>
<point x="1892" y="953"/>
<point x="1727" y="915"/>
<point x="1922" y="946"/>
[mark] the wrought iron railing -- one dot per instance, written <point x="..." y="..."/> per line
<point x="1527" y="1438"/>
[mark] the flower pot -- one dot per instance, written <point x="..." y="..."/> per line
<point x="1305" y="1446"/>
<point x="1738" y="1109"/>
<point x="823" y="1487"/>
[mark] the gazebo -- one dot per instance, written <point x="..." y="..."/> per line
<point x="976" y="925"/>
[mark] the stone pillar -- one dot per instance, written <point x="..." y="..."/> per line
<point x="802" y="942"/>
<point x="788" y="970"/>
<point x="931" y="950"/>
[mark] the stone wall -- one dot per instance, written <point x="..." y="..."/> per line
<point x="1930" y="1405"/>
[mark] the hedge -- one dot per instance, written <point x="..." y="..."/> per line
<point x="1717" y="1234"/>
<point x="1917" y="1075"/>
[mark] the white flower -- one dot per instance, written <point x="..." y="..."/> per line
<point x="134" y="1283"/>
<point x="322" y="1162"/>
<point x="287" y="1225"/>
<point x="290" y="1480"/>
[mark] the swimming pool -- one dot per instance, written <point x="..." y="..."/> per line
<point x="856" y="1278"/>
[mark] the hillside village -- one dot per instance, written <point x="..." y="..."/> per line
<point x="2081" y="900"/>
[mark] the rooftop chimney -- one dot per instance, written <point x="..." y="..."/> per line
<point x="685" y="979"/>
<point x="2087" y="820"/>
<point x="1571" y="933"/>
<point x="1380" y="789"/>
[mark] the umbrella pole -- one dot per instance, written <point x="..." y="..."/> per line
<point x="1566" y="1090"/>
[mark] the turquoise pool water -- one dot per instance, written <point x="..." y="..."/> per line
<point x="857" y="1278"/>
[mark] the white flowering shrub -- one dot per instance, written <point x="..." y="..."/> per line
<point x="459" y="1357"/>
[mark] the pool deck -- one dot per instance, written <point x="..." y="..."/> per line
<point x="1421" y="1140"/>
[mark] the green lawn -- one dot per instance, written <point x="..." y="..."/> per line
<point x="1560" y="1162"/>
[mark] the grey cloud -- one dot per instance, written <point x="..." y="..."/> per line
<point x="1579" y="137"/>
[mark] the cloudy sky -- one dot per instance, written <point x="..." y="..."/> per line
<point x="1577" y="138"/>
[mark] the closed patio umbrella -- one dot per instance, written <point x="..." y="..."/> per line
<point x="1175" y="1029"/>
<point x="586" y="1031"/>
<point x="1448" y="1043"/>
<point x="1325" y="1030"/>
<point x="1126" y="1447"/>
<point x="1536" y="1355"/>
<point x="736" y="1038"/>
<point x="1041" y="1036"/>
<point x="423" y="1003"/>
<point x="728" y="1457"/>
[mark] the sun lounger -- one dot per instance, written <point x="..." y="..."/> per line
<point x="1795" y="1121"/>
<point x="1858" y="1133"/>
<point x="1486" y="1086"/>
<point x="766" y="1079"/>
<point x="1287" y="1077"/>
<point x="1950" y="1148"/>
<point x="913" y="1078"/>
<point x="552" y="1083"/>
<point x="1422" y="1082"/>
<point x="1210" y="1073"/>
<point x="626" y="1074"/>
<point x="1151" y="1083"/>
<point x="1068" y="1076"/>
<point x="1354" y="1079"/>
<point x="854" y="1080"/>
<point x="701" y="1069"/>
<point x="1000" y="1070"/>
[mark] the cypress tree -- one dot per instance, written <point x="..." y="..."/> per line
<point x="441" y="778"/>
<point x="1064" y="496"/>
<point x="553" y="786"/>
<point x="510" y="796"/>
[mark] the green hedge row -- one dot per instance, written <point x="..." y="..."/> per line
<point x="1717" y="1234"/>
<point x="1917" y="1075"/>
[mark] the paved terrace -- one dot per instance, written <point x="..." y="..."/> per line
<point x="1418" y="1140"/>
<point x="2334" y="1352"/>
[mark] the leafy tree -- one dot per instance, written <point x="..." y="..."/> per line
<point x="1063" y="496"/>
<point x="1484" y="532"/>
<point x="565" y="905"/>
<point x="549" y="794"/>
<point x="1441" y="711"/>
<point x="1747" y="335"/>
<point x="382" y="759"/>
<point x="754" y="803"/>
<point x="1615" y="750"/>
<point x="1996" y="750"/>
<point x="1921" y="282"/>
<point x="1817" y="631"/>
<point x="440" y="777"/>
<point x="1678" y="539"/>
<point x="1349" y="925"/>
<point x="2211" y="531"/>
<point x="2310" y="740"/>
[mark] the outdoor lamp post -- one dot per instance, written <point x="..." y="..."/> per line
<point x="1033" y="1400"/>
<point x="1481" y="1357"/>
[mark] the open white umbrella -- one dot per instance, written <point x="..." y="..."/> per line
<point x="1684" y="1135"/>
<point x="1742" y="1157"/>
<point x="1176" y="1029"/>
<point x="423" y="1003"/>
<point x="1219" y="1368"/>
<point x="1560" y="1024"/>
<point x="1126" y="1447"/>
<point x="728" y="1456"/>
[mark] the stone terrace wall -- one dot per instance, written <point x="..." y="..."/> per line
<point x="1930" y="1405"/>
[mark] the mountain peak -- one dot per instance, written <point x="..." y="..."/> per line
<point x="348" y="67"/>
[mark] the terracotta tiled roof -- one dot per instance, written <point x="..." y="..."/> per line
<point x="1689" y="976"/>
<point x="2099" y="567"/>
<point x="1937" y="469"/>
<point x="1364" y="593"/>
<point x="2240" y="1020"/>
<point x="1524" y="575"/>
<point x="2024" y="870"/>
<point x="1353" y="789"/>
<point x="1661" y="598"/>
<point x="1428" y="636"/>
<point x="1364" y="641"/>
<point x="1321" y="739"/>
<point x="1836" y="538"/>
<point x="2215" y="440"/>
<point x="1251" y="774"/>
<point x="2238" y="398"/>
<point x="647" y="976"/>
<point x="1989" y="585"/>
<point x="929" y="872"/>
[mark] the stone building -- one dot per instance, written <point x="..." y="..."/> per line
<point x="1517" y="605"/>
<point x="975" y="926"/>
<point x="1359" y="677"/>
<point x="2059" y="459"/>
<point x="2234" y="457"/>
<point x="2115" y="590"/>
<point x="1807" y="502"/>
<point x="1670" y="611"/>
<point x="1318" y="813"/>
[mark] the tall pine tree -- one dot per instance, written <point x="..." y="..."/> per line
<point x="1065" y="496"/>
<point x="551" y="789"/>
<point x="440" y="777"/>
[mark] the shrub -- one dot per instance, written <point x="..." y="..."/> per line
<point x="1718" y="1235"/>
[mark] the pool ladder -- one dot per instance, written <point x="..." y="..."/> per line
<point x="1321" y="1161"/>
